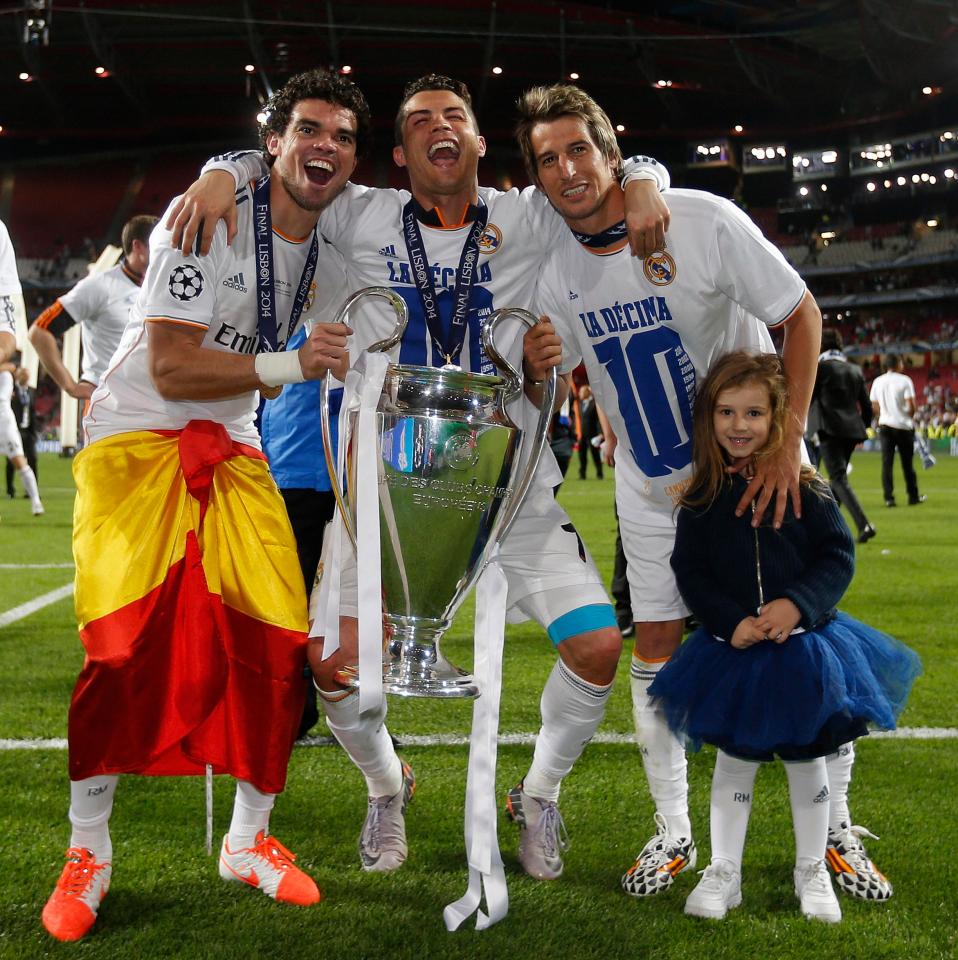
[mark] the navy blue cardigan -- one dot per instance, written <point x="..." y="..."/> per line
<point x="810" y="561"/>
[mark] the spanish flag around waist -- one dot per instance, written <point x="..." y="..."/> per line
<point x="191" y="609"/>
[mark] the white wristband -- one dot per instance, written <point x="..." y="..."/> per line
<point x="639" y="175"/>
<point x="275" y="369"/>
<point x="644" y="168"/>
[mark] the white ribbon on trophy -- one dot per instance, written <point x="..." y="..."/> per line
<point x="486" y="872"/>
<point x="368" y="560"/>
<point x="362" y="388"/>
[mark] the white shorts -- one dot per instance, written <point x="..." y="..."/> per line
<point x="10" y="443"/>
<point x="549" y="572"/>
<point x="652" y="587"/>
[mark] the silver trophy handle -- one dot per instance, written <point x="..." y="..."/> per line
<point x="514" y="381"/>
<point x="402" y="318"/>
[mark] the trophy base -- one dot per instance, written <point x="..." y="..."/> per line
<point x="414" y="666"/>
<point x="440" y="680"/>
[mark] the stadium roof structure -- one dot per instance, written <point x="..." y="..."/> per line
<point x="188" y="72"/>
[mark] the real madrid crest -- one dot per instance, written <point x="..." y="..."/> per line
<point x="491" y="239"/>
<point x="659" y="268"/>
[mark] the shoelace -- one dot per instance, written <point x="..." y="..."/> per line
<point x="815" y="879"/>
<point x="855" y="835"/>
<point x="372" y="835"/>
<point x="655" y="851"/>
<point x="854" y="848"/>
<point x="80" y="873"/>
<point x="714" y="878"/>
<point x="271" y="850"/>
<point x="552" y="829"/>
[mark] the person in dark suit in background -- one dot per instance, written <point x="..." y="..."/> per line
<point x="590" y="428"/>
<point x="839" y="415"/>
<point x="23" y="402"/>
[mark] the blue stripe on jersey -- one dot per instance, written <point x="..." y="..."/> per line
<point x="594" y="616"/>
<point x="412" y="348"/>
<point x="417" y="347"/>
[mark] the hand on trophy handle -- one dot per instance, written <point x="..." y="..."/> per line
<point x="545" y="400"/>
<point x="325" y="350"/>
<point x="541" y="352"/>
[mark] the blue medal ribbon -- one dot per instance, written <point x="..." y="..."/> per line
<point x="449" y="341"/>
<point x="606" y="238"/>
<point x="267" y="321"/>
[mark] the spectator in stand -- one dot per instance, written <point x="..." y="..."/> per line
<point x="838" y="418"/>
<point x="893" y="402"/>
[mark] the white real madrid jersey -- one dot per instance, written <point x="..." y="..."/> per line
<point x="648" y="331"/>
<point x="9" y="278"/>
<point x="216" y="293"/>
<point x="101" y="305"/>
<point x="365" y="224"/>
<point x="9" y="281"/>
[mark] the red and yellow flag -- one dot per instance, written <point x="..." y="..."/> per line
<point x="191" y="608"/>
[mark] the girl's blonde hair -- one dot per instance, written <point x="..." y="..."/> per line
<point x="736" y="369"/>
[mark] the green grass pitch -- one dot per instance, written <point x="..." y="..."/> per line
<point x="167" y="900"/>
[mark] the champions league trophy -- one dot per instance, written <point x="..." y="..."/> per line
<point x="448" y="492"/>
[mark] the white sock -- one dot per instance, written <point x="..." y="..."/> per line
<point x="30" y="485"/>
<point x="733" y="783"/>
<point x="365" y="738"/>
<point x="572" y="709"/>
<point x="251" y="810"/>
<point x="663" y="756"/>
<point x="839" y="768"/>
<point x="91" y="803"/>
<point x="808" y="794"/>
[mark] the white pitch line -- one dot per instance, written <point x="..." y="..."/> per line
<point x="36" y="566"/>
<point x="37" y="603"/>
<point x="508" y="739"/>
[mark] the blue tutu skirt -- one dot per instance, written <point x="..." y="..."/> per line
<point x="799" y="699"/>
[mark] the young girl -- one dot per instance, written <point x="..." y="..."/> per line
<point x="775" y="670"/>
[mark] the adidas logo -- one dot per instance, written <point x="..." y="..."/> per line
<point x="573" y="295"/>
<point x="822" y="795"/>
<point x="389" y="251"/>
<point x="235" y="282"/>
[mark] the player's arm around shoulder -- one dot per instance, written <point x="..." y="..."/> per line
<point x="178" y="302"/>
<point x="647" y="216"/>
<point x="349" y="219"/>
